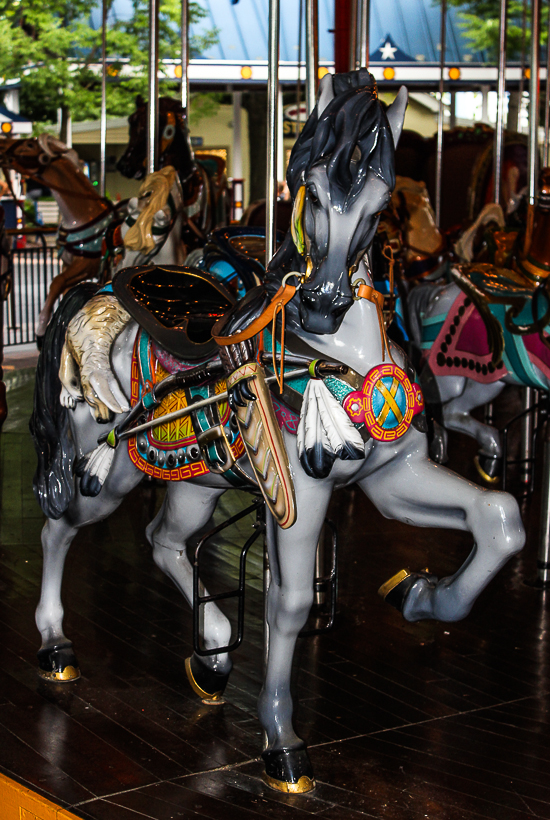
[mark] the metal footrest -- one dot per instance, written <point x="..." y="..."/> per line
<point x="327" y="585"/>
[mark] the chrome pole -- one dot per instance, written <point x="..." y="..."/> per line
<point x="543" y="557"/>
<point x="312" y="53"/>
<point x="546" y="153"/>
<point x="103" y="120"/>
<point x="272" y="130"/>
<point x="364" y="34"/>
<point x="152" y="131"/>
<point x="534" y="91"/>
<point x="185" y="56"/>
<point x="439" y="166"/>
<point x="499" y="130"/>
<point x="532" y="171"/>
<point x="353" y="34"/>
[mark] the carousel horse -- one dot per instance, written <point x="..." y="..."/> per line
<point x="203" y="181"/>
<point x="467" y="174"/>
<point x="85" y="216"/>
<point x="490" y="327"/>
<point x="347" y="410"/>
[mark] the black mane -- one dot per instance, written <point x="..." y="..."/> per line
<point x="354" y="119"/>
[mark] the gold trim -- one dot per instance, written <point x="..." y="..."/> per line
<point x="304" y="784"/>
<point x="21" y="803"/>
<point x="485" y="476"/>
<point x="206" y="696"/>
<point x="394" y="581"/>
<point x="532" y="272"/>
<point x="69" y="674"/>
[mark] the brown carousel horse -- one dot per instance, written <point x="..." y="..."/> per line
<point x="85" y="215"/>
<point x="467" y="169"/>
<point x="203" y="180"/>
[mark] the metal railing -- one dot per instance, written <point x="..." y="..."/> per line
<point x="32" y="269"/>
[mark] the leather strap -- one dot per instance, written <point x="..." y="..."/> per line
<point x="281" y="298"/>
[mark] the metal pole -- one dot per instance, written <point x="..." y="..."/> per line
<point x="353" y="35"/>
<point x="534" y="88"/>
<point x="439" y="166"/>
<point x="546" y="153"/>
<point x="152" y="131"/>
<point x="499" y="130"/>
<point x="299" y="81"/>
<point x="543" y="557"/>
<point x="185" y="56"/>
<point x="312" y="53"/>
<point x="272" y="131"/>
<point x="103" y="120"/>
<point x="364" y="34"/>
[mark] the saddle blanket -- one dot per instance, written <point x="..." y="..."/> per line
<point x="457" y="345"/>
<point x="170" y="451"/>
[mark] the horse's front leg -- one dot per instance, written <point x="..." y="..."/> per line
<point x="413" y="489"/>
<point x="78" y="269"/>
<point x="292" y="562"/>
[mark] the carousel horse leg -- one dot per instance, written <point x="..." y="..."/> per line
<point x="56" y="659"/>
<point x="459" y="397"/>
<point x="76" y="271"/>
<point x="416" y="491"/>
<point x="292" y="563"/>
<point x="186" y="508"/>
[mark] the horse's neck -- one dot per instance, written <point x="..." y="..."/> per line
<point x="77" y="198"/>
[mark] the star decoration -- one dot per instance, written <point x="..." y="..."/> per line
<point x="388" y="51"/>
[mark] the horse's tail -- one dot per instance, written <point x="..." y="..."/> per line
<point x="53" y="482"/>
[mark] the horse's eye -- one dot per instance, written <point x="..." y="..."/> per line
<point x="313" y="198"/>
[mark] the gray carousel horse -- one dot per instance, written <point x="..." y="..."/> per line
<point x="487" y="329"/>
<point x="360" y="420"/>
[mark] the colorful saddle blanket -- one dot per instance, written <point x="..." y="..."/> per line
<point x="457" y="344"/>
<point x="170" y="451"/>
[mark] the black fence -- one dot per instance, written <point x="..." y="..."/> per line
<point x="32" y="269"/>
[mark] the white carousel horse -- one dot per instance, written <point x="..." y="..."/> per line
<point x="341" y="176"/>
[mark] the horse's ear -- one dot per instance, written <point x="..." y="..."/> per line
<point x="396" y="113"/>
<point x="325" y="94"/>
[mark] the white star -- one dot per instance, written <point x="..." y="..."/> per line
<point x="388" y="51"/>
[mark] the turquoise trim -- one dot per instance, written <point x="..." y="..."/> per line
<point x="431" y="332"/>
<point x="516" y="357"/>
<point x="108" y="288"/>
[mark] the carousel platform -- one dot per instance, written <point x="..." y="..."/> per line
<point x="403" y="721"/>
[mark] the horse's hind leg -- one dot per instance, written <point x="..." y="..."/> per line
<point x="456" y="416"/>
<point x="188" y="507"/>
<point x="419" y="492"/>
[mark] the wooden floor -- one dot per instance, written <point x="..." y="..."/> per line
<point x="403" y="721"/>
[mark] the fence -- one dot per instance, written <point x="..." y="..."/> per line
<point x="33" y="268"/>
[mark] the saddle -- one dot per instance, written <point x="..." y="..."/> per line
<point x="177" y="306"/>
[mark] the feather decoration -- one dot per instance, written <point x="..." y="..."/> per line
<point x="325" y="432"/>
<point x="93" y="469"/>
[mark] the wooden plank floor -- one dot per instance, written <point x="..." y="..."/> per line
<point x="403" y="721"/>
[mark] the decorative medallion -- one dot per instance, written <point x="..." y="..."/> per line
<point x="386" y="403"/>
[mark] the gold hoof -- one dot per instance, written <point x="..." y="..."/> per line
<point x="394" y="581"/>
<point x="69" y="674"/>
<point x="304" y="784"/>
<point x="485" y="476"/>
<point x="214" y="699"/>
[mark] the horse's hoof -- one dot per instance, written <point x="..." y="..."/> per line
<point x="58" y="663"/>
<point x="289" y="770"/>
<point x="489" y="467"/>
<point x="395" y="591"/>
<point x="205" y="682"/>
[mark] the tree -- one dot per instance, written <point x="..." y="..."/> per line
<point x="480" y="20"/>
<point x="52" y="46"/>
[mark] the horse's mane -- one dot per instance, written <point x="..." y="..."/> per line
<point x="353" y="120"/>
<point x="159" y="185"/>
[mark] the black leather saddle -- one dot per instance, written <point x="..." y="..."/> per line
<point x="177" y="306"/>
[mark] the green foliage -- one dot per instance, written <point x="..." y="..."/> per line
<point x="480" y="20"/>
<point x="51" y="46"/>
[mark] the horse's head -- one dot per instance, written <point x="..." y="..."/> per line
<point x="341" y="175"/>
<point x="174" y="147"/>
